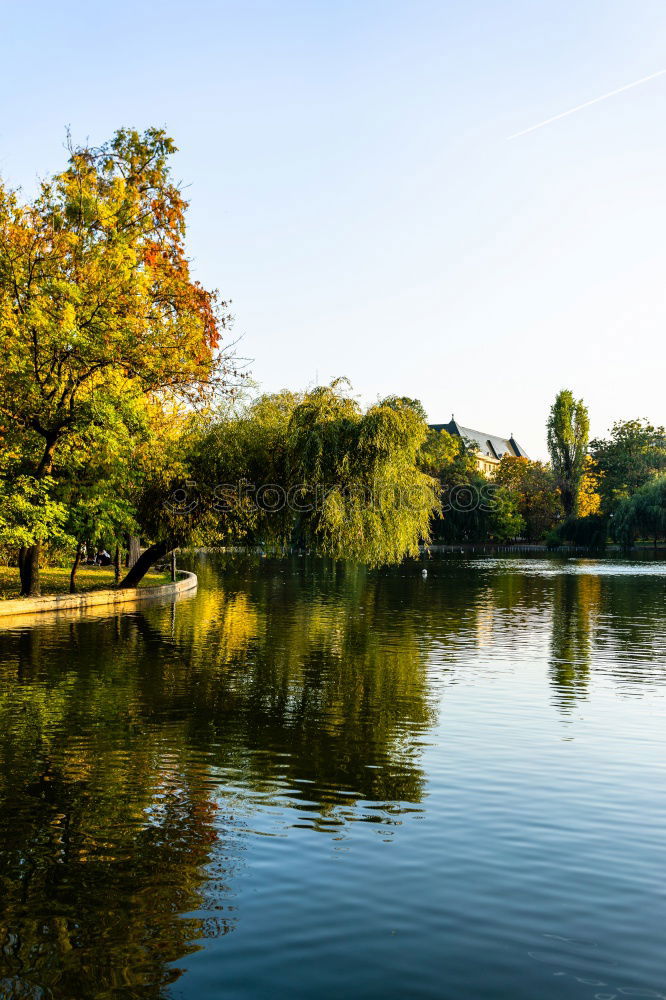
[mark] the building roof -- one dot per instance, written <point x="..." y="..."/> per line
<point x="489" y="445"/>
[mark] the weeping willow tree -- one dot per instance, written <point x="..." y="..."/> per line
<point x="314" y="470"/>
<point x="643" y="515"/>
<point x="370" y="501"/>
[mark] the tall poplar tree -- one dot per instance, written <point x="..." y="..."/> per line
<point x="568" y="435"/>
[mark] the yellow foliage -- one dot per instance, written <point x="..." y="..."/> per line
<point x="589" y="500"/>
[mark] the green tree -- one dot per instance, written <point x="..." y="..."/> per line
<point x="633" y="454"/>
<point x="643" y="514"/>
<point x="568" y="433"/>
<point x="28" y="512"/>
<point x="373" y="502"/>
<point x="443" y="456"/>
<point x="397" y="402"/>
<point x="477" y="510"/>
<point x="238" y="453"/>
<point x="536" y="492"/>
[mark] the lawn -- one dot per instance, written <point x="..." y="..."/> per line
<point x="55" y="580"/>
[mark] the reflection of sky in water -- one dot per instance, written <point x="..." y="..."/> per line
<point x="571" y="567"/>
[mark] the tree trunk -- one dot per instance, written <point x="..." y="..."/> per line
<point x="147" y="559"/>
<point x="46" y="462"/>
<point x="29" y="570"/>
<point x="72" y="575"/>
<point x="29" y="564"/>
<point x="568" y="501"/>
<point x="21" y="563"/>
<point x="116" y="564"/>
<point x="134" y="550"/>
<point x="173" y="565"/>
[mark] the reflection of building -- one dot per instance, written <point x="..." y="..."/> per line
<point x="489" y="449"/>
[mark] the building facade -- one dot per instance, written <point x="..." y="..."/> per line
<point x="488" y="449"/>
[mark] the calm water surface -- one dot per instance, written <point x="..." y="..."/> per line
<point x="311" y="781"/>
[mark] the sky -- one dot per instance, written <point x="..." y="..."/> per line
<point x="354" y="191"/>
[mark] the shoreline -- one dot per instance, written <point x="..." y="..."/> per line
<point x="107" y="598"/>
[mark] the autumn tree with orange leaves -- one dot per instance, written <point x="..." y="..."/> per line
<point x="98" y="307"/>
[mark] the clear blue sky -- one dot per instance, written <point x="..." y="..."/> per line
<point x="353" y="190"/>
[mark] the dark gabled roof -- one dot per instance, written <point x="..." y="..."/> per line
<point x="486" y="444"/>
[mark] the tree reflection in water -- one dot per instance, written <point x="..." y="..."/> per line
<point x="575" y="606"/>
<point x="118" y="737"/>
<point x="136" y="749"/>
<point x="613" y="620"/>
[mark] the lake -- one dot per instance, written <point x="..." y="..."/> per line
<point x="312" y="780"/>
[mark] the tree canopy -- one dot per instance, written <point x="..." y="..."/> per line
<point x="99" y="310"/>
<point x="643" y="514"/>
<point x="533" y="483"/>
<point x="632" y="455"/>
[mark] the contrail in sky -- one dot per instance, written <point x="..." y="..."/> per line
<point x="586" y="104"/>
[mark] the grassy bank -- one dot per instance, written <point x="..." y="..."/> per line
<point x="55" y="580"/>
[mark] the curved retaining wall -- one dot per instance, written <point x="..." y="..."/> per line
<point x="97" y="598"/>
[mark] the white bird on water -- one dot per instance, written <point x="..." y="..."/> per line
<point x="424" y="573"/>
